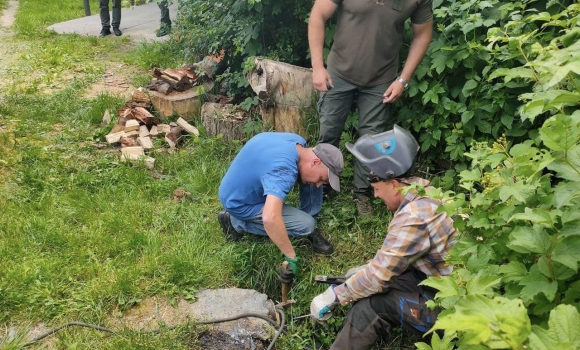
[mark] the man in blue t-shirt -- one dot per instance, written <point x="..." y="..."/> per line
<point x="259" y="179"/>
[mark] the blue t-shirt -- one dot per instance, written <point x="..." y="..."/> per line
<point x="267" y="164"/>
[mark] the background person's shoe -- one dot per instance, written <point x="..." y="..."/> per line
<point x="104" y="32"/>
<point x="364" y="206"/>
<point x="319" y="244"/>
<point x="328" y="192"/>
<point x="117" y="31"/>
<point x="163" y="31"/>
<point x="229" y="230"/>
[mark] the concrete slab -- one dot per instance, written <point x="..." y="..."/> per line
<point x="137" y="23"/>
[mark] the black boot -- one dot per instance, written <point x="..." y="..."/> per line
<point x="229" y="230"/>
<point x="319" y="244"/>
<point x="117" y="31"/>
<point x="104" y="32"/>
<point x="163" y="31"/>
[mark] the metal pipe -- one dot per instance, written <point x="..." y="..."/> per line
<point x="87" y="8"/>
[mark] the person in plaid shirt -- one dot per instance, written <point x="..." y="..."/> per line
<point x="386" y="290"/>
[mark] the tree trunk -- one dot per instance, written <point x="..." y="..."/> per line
<point x="223" y="119"/>
<point x="285" y="92"/>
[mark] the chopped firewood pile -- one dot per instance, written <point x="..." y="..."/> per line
<point x="136" y="128"/>
<point x="186" y="77"/>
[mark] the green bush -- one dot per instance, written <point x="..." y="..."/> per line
<point x="456" y="97"/>
<point x="244" y="28"/>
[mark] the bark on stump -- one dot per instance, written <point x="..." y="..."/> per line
<point x="223" y="119"/>
<point x="185" y="104"/>
<point x="285" y="92"/>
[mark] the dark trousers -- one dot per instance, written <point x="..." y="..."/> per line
<point x="402" y="305"/>
<point x="164" y="7"/>
<point x="333" y="109"/>
<point x="104" y="12"/>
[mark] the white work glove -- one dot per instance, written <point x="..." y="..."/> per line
<point x="322" y="304"/>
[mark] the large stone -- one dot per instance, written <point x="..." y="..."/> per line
<point x="185" y="104"/>
<point x="222" y="303"/>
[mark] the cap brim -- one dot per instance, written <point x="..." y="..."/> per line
<point x="334" y="181"/>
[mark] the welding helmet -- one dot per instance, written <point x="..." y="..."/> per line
<point x="388" y="155"/>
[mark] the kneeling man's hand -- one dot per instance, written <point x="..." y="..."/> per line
<point x="322" y="304"/>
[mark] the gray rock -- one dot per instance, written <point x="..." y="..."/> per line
<point x="223" y="303"/>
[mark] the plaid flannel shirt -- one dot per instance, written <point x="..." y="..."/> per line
<point x="418" y="236"/>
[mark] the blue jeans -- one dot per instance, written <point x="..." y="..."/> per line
<point x="298" y="222"/>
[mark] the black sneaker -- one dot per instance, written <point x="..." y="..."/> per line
<point x="229" y="230"/>
<point x="328" y="192"/>
<point x="163" y="31"/>
<point x="319" y="244"/>
<point x="117" y="31"/>
<point x="104" y="32"/>
<point x="364" y="207"/>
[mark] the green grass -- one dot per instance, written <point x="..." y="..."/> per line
<point x="83" y="236"/>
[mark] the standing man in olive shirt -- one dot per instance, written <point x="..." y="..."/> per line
<point x="362" y="66"/>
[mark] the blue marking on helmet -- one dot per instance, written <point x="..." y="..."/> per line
<point x="392" y="146"/>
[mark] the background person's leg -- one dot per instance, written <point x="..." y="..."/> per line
<point x="373" y="118"/>
<point x="104" y="13"/>
<point x="165" y="19"/>
<point x="333" y="108"/>
<point x="116" y="17"/>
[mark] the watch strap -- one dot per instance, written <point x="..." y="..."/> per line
<point x="403" y="82"/>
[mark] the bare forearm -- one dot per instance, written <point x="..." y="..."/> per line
<point x="316" y="41"/>
<point x="417" y="51"/>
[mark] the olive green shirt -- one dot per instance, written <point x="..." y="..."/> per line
<point x="369" y="35"/>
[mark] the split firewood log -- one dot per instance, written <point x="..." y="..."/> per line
<point x="187" y="127"/>
<point x="173" y="137"/>
<point x="179" y="84"/>
<point x="114" y="137"/>
<point x="159" y="85"/>
<point x="119" y="127"/>
<point x="143" y="115"/>
<point x="128" y="141"/>
<point x="145" y="142"/>
<point x="132" y="125"/>
<point x="140" y="97"/>
<point x="175" y="74"/>
<point x="191" y="74"/>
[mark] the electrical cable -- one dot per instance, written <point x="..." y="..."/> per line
<point x="218" y="320"/>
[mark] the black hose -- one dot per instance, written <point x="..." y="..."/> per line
<point x="81" y="324"/>
<point x="218" y="320"/>
<point x="282" y="323"/>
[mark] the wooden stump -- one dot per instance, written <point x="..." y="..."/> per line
<point x="224" y="119"/>
<point x="285" y="93"/>
<point x="185" y="104"/>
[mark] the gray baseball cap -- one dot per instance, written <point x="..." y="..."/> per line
<point x="332" y="158"/>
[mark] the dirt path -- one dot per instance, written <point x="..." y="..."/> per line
<point x="8" y="48"/>
<point x="115" y="80"/>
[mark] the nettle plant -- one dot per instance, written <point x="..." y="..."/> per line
<point x="516" y="283"/>
<point x="456" y="95"/>
<point x="516" y="263"/>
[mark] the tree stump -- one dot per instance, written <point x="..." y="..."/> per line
<point x="185" y="104"/>
<point x="224" y="119"/>
<point x="285" y="92"/>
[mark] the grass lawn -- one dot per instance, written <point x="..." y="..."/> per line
<point x="84" y="237"/>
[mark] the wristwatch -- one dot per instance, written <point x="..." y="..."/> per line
<point x="403" y="82"/>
